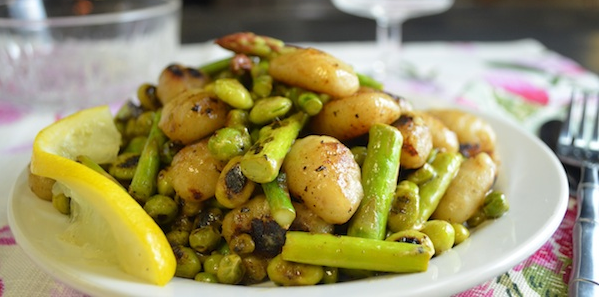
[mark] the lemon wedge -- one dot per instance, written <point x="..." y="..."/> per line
<point x="104" y="217"/>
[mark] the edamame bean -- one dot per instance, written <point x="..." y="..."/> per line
<point x="228" y="142"/>
<point x="232" y="92"/>
<point x="268" y="109"/>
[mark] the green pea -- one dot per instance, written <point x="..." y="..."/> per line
<point x="230" y="269"/>
<point x="162" y="209"/>
<point x="242" y="244"/>
<point x="164" y="185"/>
<point x="211" y="263"/>
<point x="495" y="205"/>
<point x="188" y="263"/>
<point x="206" y="277"/>
<point x="205" y="239"/>
<point x="178" y="237"/>
<point x="441" y="234"/>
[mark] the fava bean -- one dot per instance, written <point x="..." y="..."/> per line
<point x="286" y="273"/>
<point x="441" y="234"/>
<point x="461" y="233"/>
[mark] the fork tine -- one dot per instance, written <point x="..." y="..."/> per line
<point x="595" y="137"/>
<point x="582" y="124"/>
<point x="565" y="136"/>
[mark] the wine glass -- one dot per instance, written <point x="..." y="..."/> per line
<point x="389" y="16"/>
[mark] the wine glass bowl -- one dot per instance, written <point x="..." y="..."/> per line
<point x="390" y="16"/>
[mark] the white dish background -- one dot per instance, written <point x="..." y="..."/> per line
<point x="531" y="177"/>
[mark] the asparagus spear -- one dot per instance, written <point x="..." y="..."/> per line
<point x="215" y="67"/>
<point x="143" y="184"/>
<point x="446" y="165"/>
<point x="279" y="201"/>
<point x="355" y="253"/>
<point x="379" y="179"/>
<point x="264" y="159"/>
<point x="252" y="44"/>
<point x="87" y="161"/>
<point x="367" y="81"/>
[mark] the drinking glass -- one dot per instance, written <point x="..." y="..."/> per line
<point x="390" y="16"/>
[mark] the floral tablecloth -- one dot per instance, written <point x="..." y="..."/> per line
<point x="522" y="80"/>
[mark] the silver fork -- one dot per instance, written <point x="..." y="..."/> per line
<point x="578" y="144"/>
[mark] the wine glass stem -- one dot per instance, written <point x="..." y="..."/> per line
<point x="388" y="38"/>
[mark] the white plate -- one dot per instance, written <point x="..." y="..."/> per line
<point x="531" y="177"/>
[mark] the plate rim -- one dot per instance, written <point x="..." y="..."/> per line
<point x="468" y="279"/>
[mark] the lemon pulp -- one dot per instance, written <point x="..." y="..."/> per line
<point x="106" y="217"/>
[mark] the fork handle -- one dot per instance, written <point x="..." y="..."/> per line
<point x="584" y="279"/>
